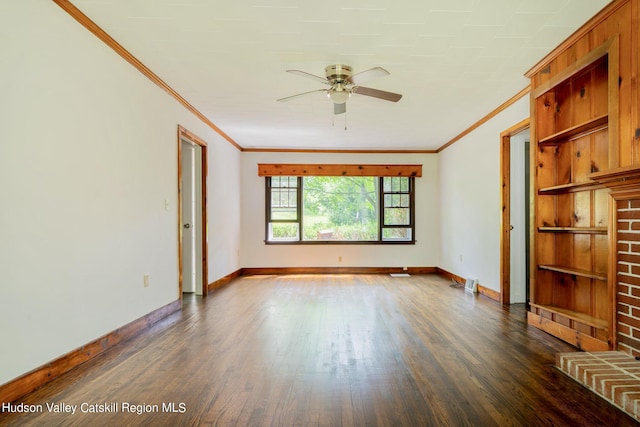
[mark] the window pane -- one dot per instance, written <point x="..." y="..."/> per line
<point x="397" y="200"/>
<point x="340" y="208"/>
<point x="397" y="216"/>
<point x="283" y="214"/>
<point x="283" y="204"/>
<point x="398" y="184"/>
<point x="400" y="234"/>
<point x="404" y="185"/>
<point x="283" y="231"/>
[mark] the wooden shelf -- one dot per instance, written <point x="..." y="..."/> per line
<point x="568" y="188"/>
<point x="618" y="177"/>
<point x="574" y="230"/>
<point x="574" y="271"/>
<point x="574" y="315"/>
<point x="586" y="128"/>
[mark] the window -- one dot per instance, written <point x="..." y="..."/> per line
<point x="283" y="214"/>
<point x="333" y="209"/>
<point x="397" y="210"/>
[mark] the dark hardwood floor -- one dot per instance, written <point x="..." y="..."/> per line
<point x="330" y="350"/>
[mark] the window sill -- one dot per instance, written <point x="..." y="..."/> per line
<point x="340" y="242"/>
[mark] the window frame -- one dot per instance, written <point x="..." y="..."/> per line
<point x="381" y="215"/>
<point x="269" y="214"/>
<point x="382" y="209"/>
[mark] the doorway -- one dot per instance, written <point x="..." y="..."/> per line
<point x="514" y="224"/>
<point x="192" y="214"/>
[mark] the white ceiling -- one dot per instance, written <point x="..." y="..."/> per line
<point x="454" y="61"/>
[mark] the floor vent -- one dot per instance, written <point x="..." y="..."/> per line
<point x="400" y="275"/>
<point x="471" y="285"/>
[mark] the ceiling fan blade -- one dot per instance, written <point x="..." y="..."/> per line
<point x="377" y="93"/>
<point x="287" y="98"/>
<point x="310" y="76"/>
<point x="366" y="75"/>
<point x="339" y="108"/>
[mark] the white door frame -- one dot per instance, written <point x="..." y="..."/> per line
<point x="202" y="260"/>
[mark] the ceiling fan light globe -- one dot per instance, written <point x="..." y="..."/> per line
<point x="339" y="97"/>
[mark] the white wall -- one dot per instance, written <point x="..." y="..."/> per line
<point x="87" y="160"/>
<point x="470" y="199"/>
<point x="254" y="252"/>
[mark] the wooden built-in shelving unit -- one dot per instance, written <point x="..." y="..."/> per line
<point x="573" y="123"/>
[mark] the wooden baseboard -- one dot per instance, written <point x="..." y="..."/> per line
<point x="335" y="270"/>
<point x="224" y="281"/>
<point x="489" y="293"/>
<point x="30" y="381"/>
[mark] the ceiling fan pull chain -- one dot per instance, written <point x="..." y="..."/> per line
<point x="345" y="120"/>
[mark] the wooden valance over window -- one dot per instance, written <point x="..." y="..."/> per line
<point x="273" y="169"/>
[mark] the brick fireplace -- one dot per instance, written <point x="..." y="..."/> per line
<point x="627" y="284"/>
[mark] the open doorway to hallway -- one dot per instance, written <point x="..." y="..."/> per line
<point x="514" y="239"/>
<point x="192" y="213"/>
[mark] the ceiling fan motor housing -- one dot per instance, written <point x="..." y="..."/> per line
<point x="338" y="73"/>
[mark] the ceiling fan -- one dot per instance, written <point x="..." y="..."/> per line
<point x="343" y="83"/>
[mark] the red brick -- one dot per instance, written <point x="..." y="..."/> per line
<point x="624" y="247"/>
<point x="630" y="258"/>
<point x="635" y="269"/>
<point x="628" y="320"/>
<point x="631" y="237"/>
<point x="577" y="369"/>
<point x="629" y="402"/>
<point x="634" y="203"/>
<point x="631" y="280"/>
<point x="611" y="386"/>
<point x="629" y="342"/>
<point x="624" y="225"/>
<point x="623" y="289"/>
<point x="627" y="299"/>
<point x="624" y="329"/>
<point x="612" y="356"/>
<point x="630" y="214"/>
<point x="623" y="204"/>
<point x="593" y="376"/>
<point x="623" y="309"/>
<point x="603" y="384"/>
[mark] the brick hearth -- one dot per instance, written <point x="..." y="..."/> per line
<point x="613" y="375"/>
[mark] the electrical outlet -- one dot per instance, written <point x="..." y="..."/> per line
<point x="146" y="280"/>
<point x="340" y="258"/>
<point x="405" y="268"/>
